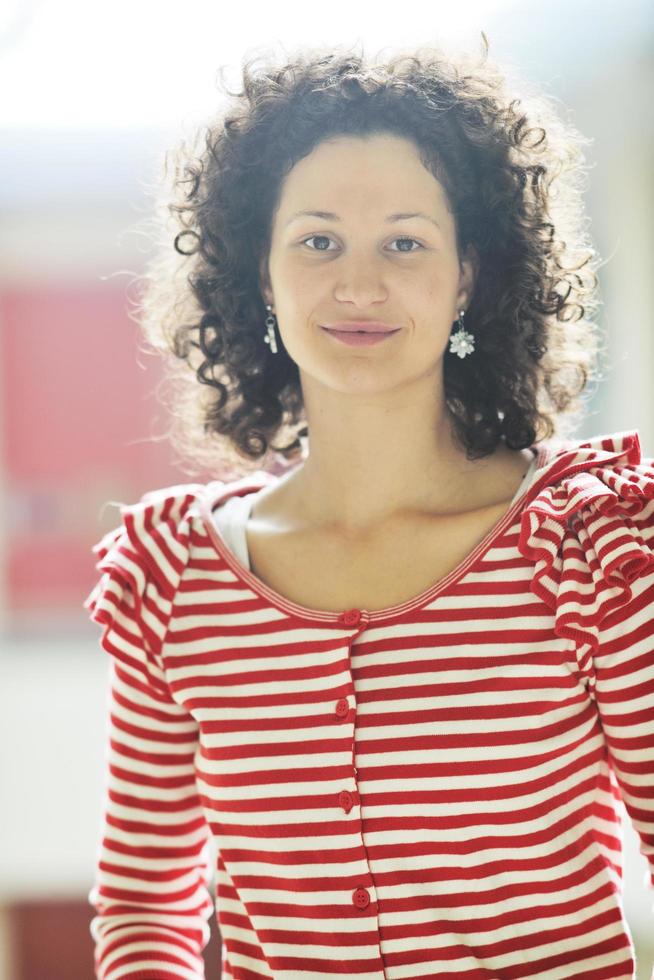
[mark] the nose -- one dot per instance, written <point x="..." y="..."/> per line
<point x="360" y="283"/>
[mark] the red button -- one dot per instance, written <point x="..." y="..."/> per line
<point x="342" y="708"/>
<point x="345" y="799"/>
<point x="351" y="617"/>
<point x="361" y="898"/>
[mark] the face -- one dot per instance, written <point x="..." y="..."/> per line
<point x="359" y="264"/>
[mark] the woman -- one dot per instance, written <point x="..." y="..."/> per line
<point x="401" y="685"/>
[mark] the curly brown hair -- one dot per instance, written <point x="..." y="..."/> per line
<point x="514" y="173"/>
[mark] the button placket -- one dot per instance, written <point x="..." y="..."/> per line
<point x="360" y="896"/>
<point x="350" y="617"/>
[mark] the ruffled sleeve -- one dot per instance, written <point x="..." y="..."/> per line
<point x="152" y="889"/>
<point x="141" y="562"/>
<point x="589" y="529"/>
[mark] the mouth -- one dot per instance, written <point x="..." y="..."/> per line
<point x="360" y="330"/>
<point x="360" y="337"/>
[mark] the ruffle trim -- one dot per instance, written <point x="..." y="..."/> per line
<point x="141" y="563"/>
<point x="590" y="530"/>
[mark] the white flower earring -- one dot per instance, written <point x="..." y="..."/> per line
<point x="269" y="337"/>
<point x="462" y="342"/>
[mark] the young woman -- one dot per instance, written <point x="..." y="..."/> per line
<point x="399" y="672"/>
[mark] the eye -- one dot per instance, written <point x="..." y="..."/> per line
<point x="325" y="237"/>
<point x="404" y="238"/>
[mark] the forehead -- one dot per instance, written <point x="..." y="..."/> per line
<point x="362" y="169"/>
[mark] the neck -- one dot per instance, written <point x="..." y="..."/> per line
<point x="369" y="462"/>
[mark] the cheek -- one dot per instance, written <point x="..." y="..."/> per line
<point x="431" y="283"/>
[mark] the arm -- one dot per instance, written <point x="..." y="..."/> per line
<point x="151" y="883"/>
<point x="624" y="693"/>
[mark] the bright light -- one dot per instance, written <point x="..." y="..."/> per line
<point x="75" y="64"/>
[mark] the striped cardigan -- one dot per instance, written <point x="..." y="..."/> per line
<point x="427" y="790"/>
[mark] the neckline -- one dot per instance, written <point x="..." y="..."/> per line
<point x="211" y="495"/>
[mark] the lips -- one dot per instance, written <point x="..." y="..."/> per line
<point x="362" y="326"/>
<point x="363" y="338"/>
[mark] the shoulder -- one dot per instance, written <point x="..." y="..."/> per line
<point x="152" y="541"/>
<point x="152" y="538"/>
<point x="588" y="525"/>
<point x="607" y="473"/>
<point x="140" y="562"/>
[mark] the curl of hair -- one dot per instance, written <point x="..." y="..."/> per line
<point x="514" y="175"/>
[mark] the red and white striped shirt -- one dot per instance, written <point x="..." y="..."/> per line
<point x="427" y="790"/>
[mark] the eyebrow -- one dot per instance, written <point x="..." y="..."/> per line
<point x="398" y="216"/>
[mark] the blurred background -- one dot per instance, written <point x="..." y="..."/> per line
<point x="93" y="95"/>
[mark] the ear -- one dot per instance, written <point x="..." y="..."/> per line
<point x="468" y="278"/>
<point x="264" y="280"/>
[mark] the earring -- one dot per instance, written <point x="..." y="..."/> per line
<point x="462" y="342"/>
<point x="270" y="338"/>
